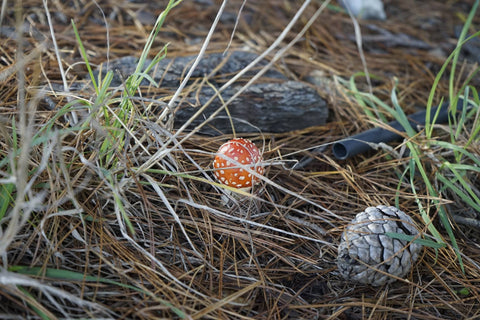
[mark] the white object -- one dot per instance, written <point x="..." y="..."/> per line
<point x="365" y="9"/>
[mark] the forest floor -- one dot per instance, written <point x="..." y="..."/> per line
<point x="108" y="210"/>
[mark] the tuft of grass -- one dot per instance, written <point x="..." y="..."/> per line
<point x="119" y="114"/>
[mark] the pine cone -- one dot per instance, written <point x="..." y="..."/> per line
<point x="368" y="256"/>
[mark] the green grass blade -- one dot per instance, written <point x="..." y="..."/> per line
<point x="102" y="94"/>
<point x="409" y="238"/>
<point x="68" y="275"/>
<point x="36" y="308"/>
<point x="462" y="119"/>
<point x="473" y="114"/>
<point x="399" y="114"/>
<point x="6" y="198"/>
<point x="461" y="150"/>
<point x="441" y="210"/>
<point x="425" y="217"/>
<point x="459" y="192"/>
<point x="153" y="34"/>
<point x="83" y="52"/>
<point x="438" y="77"/>
<point x="460" y="42"/>
<point x="473" y="200"/>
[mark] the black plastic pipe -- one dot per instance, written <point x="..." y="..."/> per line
<point x="359" y="143"/>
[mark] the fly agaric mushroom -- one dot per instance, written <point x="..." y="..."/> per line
<point x="243" y="152"/>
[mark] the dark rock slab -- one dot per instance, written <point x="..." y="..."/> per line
<point x="268" y="107"/>
<point x="169" y="72"/>
<point x="274" y="104"/>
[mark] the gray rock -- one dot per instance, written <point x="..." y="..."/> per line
<point x="274" y="104"/>
<point x="169" y="72"/>
<point x="270" y="107"/>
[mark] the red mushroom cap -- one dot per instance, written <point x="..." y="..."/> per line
<point x="244" y="152"/>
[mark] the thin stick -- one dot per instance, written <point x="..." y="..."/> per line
<point x="2" y="11"/>
<point x="59" y="59"/>
<point x="235" y="26"/>
<point x="358" y="38"/>
<point x="199" y="57"/>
